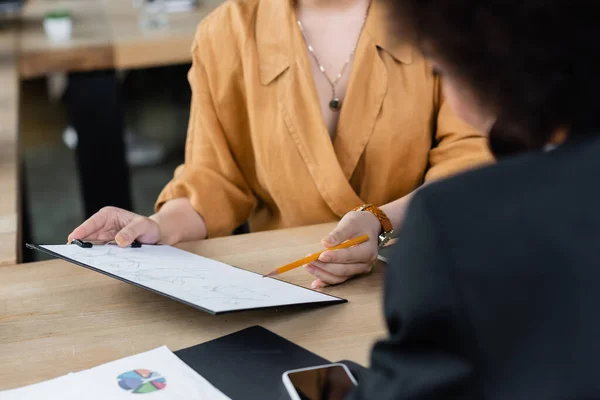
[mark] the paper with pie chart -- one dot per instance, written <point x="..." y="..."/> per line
<point x="142" y="381"/>
<point x="203" y="283"/>
<point x="157" y="374"/>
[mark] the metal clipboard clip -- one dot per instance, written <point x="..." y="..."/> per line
<point x="89" y="245"/>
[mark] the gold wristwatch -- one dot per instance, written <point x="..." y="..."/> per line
<point x="387" y="229"/>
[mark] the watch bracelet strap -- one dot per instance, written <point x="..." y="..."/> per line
<point x="385" y="222"/>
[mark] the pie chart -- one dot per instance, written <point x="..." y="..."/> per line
<point x="141" y="381"/>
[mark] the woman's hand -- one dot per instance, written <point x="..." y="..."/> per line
<point x="338" y="266"/>
<point x="122" y="226"/>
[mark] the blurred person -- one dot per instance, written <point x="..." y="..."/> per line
<point x="493" y="290"/>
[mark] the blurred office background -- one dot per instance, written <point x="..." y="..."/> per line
<point x="68" y="56"/>
<point x="154" y="98"/>
<point x="156" y="109"/>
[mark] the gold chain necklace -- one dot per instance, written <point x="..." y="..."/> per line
<point x="335" y="103"/>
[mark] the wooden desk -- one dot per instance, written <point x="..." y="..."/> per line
<point x="56" y="317"/>
<point x="106" y="35"/>
<point x="9" y="166"/>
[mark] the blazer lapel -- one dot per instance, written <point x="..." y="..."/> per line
<point x="272" y="39"/>
<point x="366" y="91"/>
<point x="368" y="86"/>
<point x="299" y="106"/>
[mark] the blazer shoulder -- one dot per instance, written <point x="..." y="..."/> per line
<point x="225" y="30"/>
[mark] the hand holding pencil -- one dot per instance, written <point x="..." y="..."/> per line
<point x="314" y="257"/>
<point x="351" y="249"/>
<point x="335" y="267"/>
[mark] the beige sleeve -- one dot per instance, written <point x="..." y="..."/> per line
<point x="210" y="177"/>
<point x="458" y="146"/>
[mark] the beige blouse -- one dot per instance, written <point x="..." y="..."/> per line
<point x="257" y="146"/>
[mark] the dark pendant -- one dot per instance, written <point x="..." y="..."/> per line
<point x="335" y="104"/>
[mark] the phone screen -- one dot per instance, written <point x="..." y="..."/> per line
<point x="330" y="383"/>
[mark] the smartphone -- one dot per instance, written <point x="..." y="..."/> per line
<point x="324" y="382"/>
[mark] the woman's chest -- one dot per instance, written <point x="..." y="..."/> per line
<point x="279" y="136"/>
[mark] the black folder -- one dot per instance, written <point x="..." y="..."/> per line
<point x="249" y="364"/>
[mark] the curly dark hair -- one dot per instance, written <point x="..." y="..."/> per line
<point x="533" y="62"/>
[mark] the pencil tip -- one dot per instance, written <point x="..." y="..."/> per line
<point x="270" y="274"/>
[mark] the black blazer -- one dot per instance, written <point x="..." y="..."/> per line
<point x="495" y="286"/>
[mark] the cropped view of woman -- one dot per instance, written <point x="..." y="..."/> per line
<point x="301" y="112"/>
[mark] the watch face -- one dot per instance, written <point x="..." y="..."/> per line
<point x="383" y="239"/>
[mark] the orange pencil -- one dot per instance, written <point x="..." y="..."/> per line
<point x="315" y="257"/>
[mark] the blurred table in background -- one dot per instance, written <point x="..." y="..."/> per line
<point x="106" y="37"/>
<point x="9" y="149"/>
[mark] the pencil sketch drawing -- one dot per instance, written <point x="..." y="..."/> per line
<point x="197" y="280"/>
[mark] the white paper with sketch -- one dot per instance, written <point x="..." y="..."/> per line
<point x="158" y="372"/>
<point x="198" y="281"/>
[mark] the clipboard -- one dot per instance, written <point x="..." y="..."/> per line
<point x="190" y="279"/>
